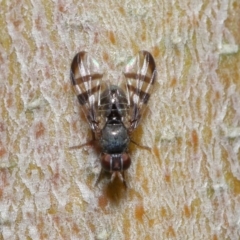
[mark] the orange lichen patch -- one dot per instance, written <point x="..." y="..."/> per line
<point x="155" y="51"/>
<point x="186" y="211"/>
<point x="102" y="202"/>
<point x="170" y="232"/>
<point x="121" y="10"/>
<point x="195" y="141"/>
<point x="215" y="237"/>
<point x="139" y="211"/>
<point x="173" y="82"/>
<point x="39" y="130"/>
<point x="111" y="37"/>
<point x="167" y="177"/>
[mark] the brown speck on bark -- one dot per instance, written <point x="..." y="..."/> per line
<point x="215" y="237"/>
<point x="139" y="211"/>
<point x="171" y="232"/>
<point x="173" y="82"/>
<point x="39" y="130"/>
<point x="2" y="151"/>
<point x="187" y="211"/>
<point x="156" y="51"/>
<point x="17" y="23"/>
<point x="167" y="177"/>
<point x="10" y="100"/>
<point x="105" y="56"/>
<point x="121" y="10"/>
<point x="195" y="140"/>
<point x="102" y="202"/>
<point x="111" y="37"/>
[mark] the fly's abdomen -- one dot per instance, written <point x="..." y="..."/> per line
<point x="114" y="138"/>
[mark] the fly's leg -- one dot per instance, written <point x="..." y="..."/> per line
<point x="89" y="143"/>
<point x="141" y="146"/>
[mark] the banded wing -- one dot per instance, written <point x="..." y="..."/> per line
<point x="140" y="74"/>
<point x="85" y="77"/>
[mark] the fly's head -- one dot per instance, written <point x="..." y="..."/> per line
<point x="116" y="164"/>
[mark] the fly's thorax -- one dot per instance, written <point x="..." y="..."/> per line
<point x="114" y="138"/>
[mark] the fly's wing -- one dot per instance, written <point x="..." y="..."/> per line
<point x="85" y="77"/>
<point x="140" y="74"/>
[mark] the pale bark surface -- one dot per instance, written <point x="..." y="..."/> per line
<point x="188" y="187"/>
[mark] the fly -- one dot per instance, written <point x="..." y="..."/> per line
<point x="113" y="112"/>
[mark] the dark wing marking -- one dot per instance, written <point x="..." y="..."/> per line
<point x="85" y="77"/>
<point x="140" y="74"/>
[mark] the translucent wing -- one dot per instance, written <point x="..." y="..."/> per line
<point x="140" y="74"/>
<point x="85" y="77"/>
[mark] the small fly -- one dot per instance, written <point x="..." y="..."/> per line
<point x="113" y="112"/>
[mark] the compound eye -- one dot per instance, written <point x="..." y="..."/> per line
<point x="106" y="162"/>
<point x="126" y="161"/>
